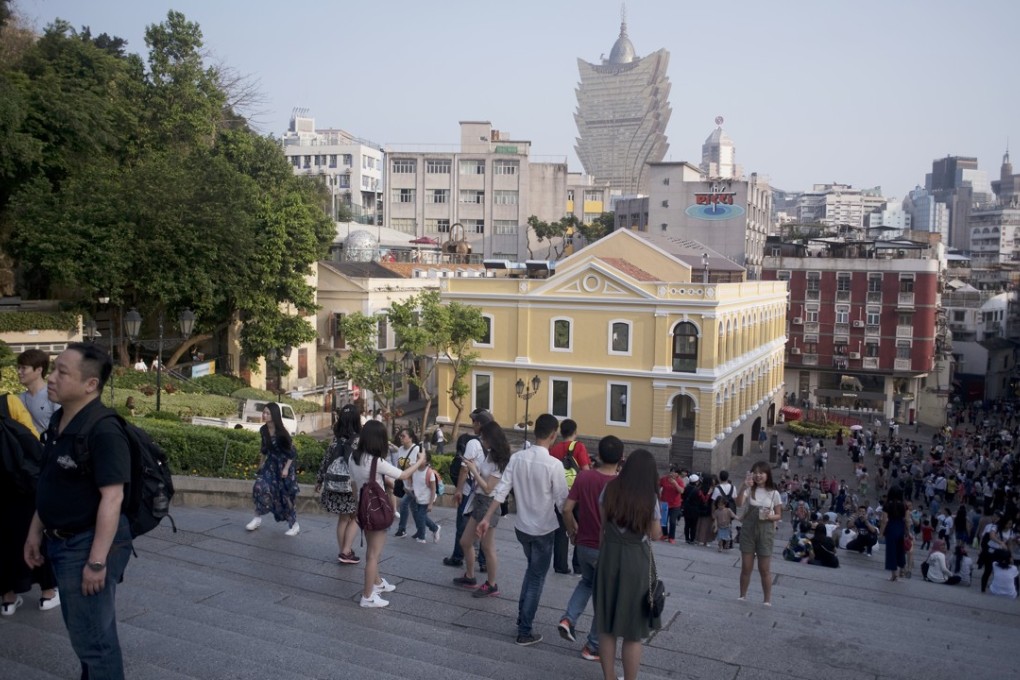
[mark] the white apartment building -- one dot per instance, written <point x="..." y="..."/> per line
<point x="890" y="222"/>
<point x="994" y="237"/>
<point x="839" y="205"/>
<point x="482" y="194"/>
<point x="351" y="167"/>
<point x="926" y="213"/>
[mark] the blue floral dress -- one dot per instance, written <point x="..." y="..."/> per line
<point x="273" y="493"/>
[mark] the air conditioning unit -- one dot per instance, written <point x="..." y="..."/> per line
<point x="795" y="350"/>
<point x="855" y="355"/>
<point x="858" y="324"/>
<point x="798" y="321"/>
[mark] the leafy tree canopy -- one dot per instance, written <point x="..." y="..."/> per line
<point x="136" y="180"/>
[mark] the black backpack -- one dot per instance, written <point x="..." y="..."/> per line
<point x="728" y="497"/>
<point x="147" y="500"/>
<point x="21" y="451"/>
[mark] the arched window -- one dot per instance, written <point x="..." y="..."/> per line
<point x="685" y="348"/>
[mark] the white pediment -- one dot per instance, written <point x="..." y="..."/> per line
<point x="594" y="280"/>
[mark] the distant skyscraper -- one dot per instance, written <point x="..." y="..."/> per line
<point x="622" y="112"/>
<point x="957" y="182"/>
<point x="718" y="155"/>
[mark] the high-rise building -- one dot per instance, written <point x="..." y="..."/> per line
<point x="622" y="112"/>
<point x="927" y="214"/>
<point x="839" y="205"/>
<point x="718" y="155"/>
<point x="956" y="182"/>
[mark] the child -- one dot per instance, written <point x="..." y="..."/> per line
<point x="722" y="519"/>
<point x="926" y="533"/>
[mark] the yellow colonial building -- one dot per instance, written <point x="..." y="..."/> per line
<point x="633" y="339"/>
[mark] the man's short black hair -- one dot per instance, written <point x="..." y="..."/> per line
<point x="610" y="450"/>
<point x="95" y="362"/>
<point x="546" y="425"/>
<point x="35" y="358"/>
<point x="568" y="428"/>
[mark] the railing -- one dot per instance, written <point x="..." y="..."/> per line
<point x="841" y="329"/>
<point x="873" y="330"/>
<point x="813" y="295"/>
<point x="904" y="331"/>
<point x="809" y="359"/>
<point x="870" y="363"/>
<point x="902" y="365"/>
<point x="874" y="298"/>
<point x="842" y="296"/>
<point x="905" y="300"/>
<point x="811" y="327"/>
<point x="840" y="363"/>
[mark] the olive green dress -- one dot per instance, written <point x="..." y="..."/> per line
<point x="621" y="585"/>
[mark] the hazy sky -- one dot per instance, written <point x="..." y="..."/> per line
<point x="866" y="93"/>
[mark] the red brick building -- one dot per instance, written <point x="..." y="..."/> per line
<point x="864" y="327"/>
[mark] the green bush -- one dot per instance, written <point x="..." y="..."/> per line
<point x="163" y="415"/>
<point x="136" y="380"/>
<point x="814" y="429"/>
<point x="441" y="464"/>
<point x="223" y="385"/>
<point x="222" y="452"/>
<point x="11" y="322"/>
<point x="299" y="405"/>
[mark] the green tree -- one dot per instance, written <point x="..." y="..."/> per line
<point x="358" y="362"/>
<point x="601" y="226"/>
<point x="553" y="232"/>
<point x="431" y="331"/>
<point x="467" y="325"/>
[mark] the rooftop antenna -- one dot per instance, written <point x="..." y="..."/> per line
<point x="623" y="18"/>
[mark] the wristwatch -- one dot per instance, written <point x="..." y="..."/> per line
<point x="97" y="566"/>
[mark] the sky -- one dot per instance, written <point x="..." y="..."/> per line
<point x="865" y="93"/>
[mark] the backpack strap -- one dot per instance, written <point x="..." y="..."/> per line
<point x="5" y="409"/>
<point x="81" y="440"/>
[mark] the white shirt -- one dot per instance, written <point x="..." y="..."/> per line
<point x="359" y="473"/>
<point x="472" y="451"/>
<point x="539" y="486"/>
<point x="1002" y="580"/>
<point x="39" y="407"/>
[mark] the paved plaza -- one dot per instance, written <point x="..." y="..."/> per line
<point x="215" y="601"/>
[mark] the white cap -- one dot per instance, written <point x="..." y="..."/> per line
<point x="694" y="478"/>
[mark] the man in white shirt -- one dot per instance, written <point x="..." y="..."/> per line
<point x="472" y="450"/>
<point x="540" y="489"/>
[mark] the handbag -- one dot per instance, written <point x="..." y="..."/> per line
<point x="656" y="601"/>
<point x="398" y="485"/>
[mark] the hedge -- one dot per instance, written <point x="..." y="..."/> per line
<point x="814" y="429"/>
<point x="223" y="385"/>
<point x="234" y="454"/>
<point x="223" y="452"/>
<point x="13" y="322"/>
<point x="182" y="405"/>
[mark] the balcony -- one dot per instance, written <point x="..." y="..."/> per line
<point x="870" y="363"/>
<point x="873" y="331"/>
<point x="902" y="365"/>
<point x="841" y="329"/>
<point x="842" y="296"/>
<point x="840" y="363"/>
<point x="811" y="327"/>
<point x="905" y="300"/>
<point x="809" y="359"/>
<point x="904" y="331"/>
<point x="874" y="298"/>
<point x="813" y="295"/>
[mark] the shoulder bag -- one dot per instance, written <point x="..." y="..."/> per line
<point x="656" y="601"/>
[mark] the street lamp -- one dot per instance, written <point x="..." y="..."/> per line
<point x="105" y="300"/>
<point x="132" y="326"/>
<point x="90" y="330"/>
<point x="524" y="393"/>
<point x="704" y="265"/>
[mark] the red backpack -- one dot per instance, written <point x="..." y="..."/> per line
<point x="375" y="512"/>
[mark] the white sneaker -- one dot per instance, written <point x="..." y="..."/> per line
<point x="435" y="534"/>
<point x="374" y="602"/>
<point x="384" y="587"/>
<point x="46" y="604"/>
<point x="254" y="524"/>
<point x="294" y="530"/>
<point x="9" y="608"/>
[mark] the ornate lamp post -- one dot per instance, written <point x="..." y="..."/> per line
<point x="90" y="330"/>
<point x="132" y="326"/>
<point x="526" y="394"/>
<point x="105" y="300"/>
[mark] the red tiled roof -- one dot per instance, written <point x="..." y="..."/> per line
<point x="629" y="269"/>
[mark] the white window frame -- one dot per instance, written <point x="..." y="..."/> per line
<point x="553" y="379"/>
<point x="437" y="166"/>
<point x="552" y="334"/>
<point x="505" y="167"/>
<point x="630" y="338"/>
<point x="492" y="331"/>
<point x="609" y="405"/>
<point x="474" y="389"/>
<point x="404" y="166"/>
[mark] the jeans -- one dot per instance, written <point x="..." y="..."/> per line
<point x="674" y="516"/>
<point x="91" y="620"/>
<point x="589" y="559"/>
<point x="405" y="508"/>
<point x="538" y="550"/>
<point x="422" y="519"/>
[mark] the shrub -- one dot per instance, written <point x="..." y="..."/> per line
<point x="441" y="464"/>
<point x="223" y="385"/>
<point x="221" y="452"/>
<point x="163" y="415"/>
<point x="182" y="405"/>
<point x="814" y="429"/>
